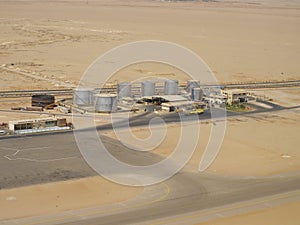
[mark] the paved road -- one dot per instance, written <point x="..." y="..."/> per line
<point x="193" y="192"/>
<point x="54" y="157"/>
<point x="143" y="119"/>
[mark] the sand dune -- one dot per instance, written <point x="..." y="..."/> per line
<point x="239" y="42"/>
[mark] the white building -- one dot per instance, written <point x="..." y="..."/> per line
<point x="38" y="125"/>
<point x="235" y="96"/>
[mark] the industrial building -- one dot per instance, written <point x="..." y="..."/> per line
<point x="176" y="106"/>
<point x="170" y="103"/>
<point x="38" y="125"/>
<point x="235" y="96"/>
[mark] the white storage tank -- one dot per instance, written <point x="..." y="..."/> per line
<point x="192" y="84"/>
<point x="106" y="103"/>
<point x="171" y="87"/>
<point x="148" y="88"/>
<point x="197" y="94"/>
<point x="93" y="94"/>
<point x="83" y="96"/>
<point x="124" y="90"/>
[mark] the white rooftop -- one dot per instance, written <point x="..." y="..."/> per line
<point x="235" y="91"/>
<point x="178" y="103"/>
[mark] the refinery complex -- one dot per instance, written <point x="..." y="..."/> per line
<point x="145" y="96"/>
<point x="160" y="96"/>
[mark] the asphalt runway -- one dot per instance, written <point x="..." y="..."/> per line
<point x="194" y="192"/>
<point x="55" y="157"/>
<point x="35" y="159"/>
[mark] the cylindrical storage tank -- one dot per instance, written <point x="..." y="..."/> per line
<point x="105" y="103"/>
<point x="124" y="90"/>
<point x="171" y="87"/>
<point x="83" y="96"/>
<point x="192" y="84"/>
<point x="197" y="94"/>
<point x="148" y="88"/>
<point x="42" y="100"/>
<point x="93" y="93"/>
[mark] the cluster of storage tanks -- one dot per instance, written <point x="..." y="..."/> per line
<point x="89" y="97"/>
<point x="108" y="102"/>
<point x="147" y="88"/>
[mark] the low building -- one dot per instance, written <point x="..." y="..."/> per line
<point x="158" y="99"/>
<point x="235" y="96"/>
<point x="176" y="106"/>
<point x="38" y="125"/>
<point x="170" y="103"/>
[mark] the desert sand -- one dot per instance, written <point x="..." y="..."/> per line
<point x="62" y="196"/>
<point x="239" y="41"/>
<point x="287" y="214"/>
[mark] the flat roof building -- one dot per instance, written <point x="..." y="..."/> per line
<point x="235" y="96"/>
<point x="165" y="98"/>
<point x="175" y="106"/>
<point x="38" y="125"/>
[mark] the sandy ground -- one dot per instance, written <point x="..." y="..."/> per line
<point x="270" y="141"/>
<point x="287" y="97"/>
<point x="61" y="196"/>
<point x="287" y="214"/>
<point x="239" y="41"/>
